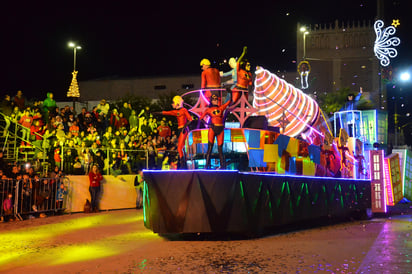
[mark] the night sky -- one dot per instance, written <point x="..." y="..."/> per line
<point x="123" y="39"/>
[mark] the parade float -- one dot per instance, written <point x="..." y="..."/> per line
<point x="283" y="163"/>
<point x="289" y="169"/>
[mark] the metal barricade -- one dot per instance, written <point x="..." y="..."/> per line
<point x="33" y="197"/>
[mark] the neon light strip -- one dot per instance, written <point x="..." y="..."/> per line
<point x="253" y="173"/>
<point x="300" y="105"/>
<point x="257" y="98"/>
<point x="382" y="166"/>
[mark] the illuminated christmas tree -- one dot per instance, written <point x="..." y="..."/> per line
<point x="74" y="87"/>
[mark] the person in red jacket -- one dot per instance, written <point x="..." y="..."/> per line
<point x="210" y="80"/>
<point x="183" y="119"/>
<point x="26" y="121"/>
<point x="95" y="177"/>
<point x="216" y="129"/>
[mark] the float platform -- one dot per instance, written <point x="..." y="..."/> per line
<point x="229" y="201"/>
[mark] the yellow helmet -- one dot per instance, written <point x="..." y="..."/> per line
<point x="205" y="62"/>
<point x="177" y="100"/>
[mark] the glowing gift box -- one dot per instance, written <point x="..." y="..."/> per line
<point x="405" y="159"/>
<point x="377" y="174"/>
<point x="393" y="179"/>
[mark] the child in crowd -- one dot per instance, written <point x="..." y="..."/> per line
<point x="8" y="208"/>
<point x="60" y="195"/>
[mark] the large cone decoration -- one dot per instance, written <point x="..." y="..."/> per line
<point x="288" y="108"/>
<point x="74" y="87"/>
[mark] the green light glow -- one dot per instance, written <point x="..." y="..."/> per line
<point x="241" y="190"/>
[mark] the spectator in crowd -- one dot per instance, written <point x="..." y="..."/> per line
<point x="126" y="110"/>
<point x="95" y="179"/>
<point x="98" y="159"/>
<point x="60" y="195"/>
<point x="123" y="122"/>
<point x="74" y="128"/>
<point x="19" y="100"/>
<point x="26" y="187"/>
<point x="104" y="107"/>
<point x="138" y="184"/>
<point x="7" y="108"/>
<point x="25" y="121"/>
<point x="163" y="130"/>
<point x="49" y="105"/>
<point x="145" y="128"/>
<point x="115" y="119"/>
<point x="8" y="206"/>
<point x="82" y="119"/>
<point x="133" y="120"/>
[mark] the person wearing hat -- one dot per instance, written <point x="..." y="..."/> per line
<point x="103" y="107"/>
<point x="216" y="129"/>
<point x="210" y="80"/>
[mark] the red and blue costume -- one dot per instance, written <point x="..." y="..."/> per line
<point x="244" y="80"/>
<point x="216" y="129"/>
<point x="210" y="79"/>
<point x="183" y="117"/>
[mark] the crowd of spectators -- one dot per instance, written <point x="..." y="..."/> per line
<point x="27" y="193"/>
<point x="119" y="138"/>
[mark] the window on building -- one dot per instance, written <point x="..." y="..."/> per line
<point x="160" y="87"/>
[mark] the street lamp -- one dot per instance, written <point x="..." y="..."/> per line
<point x="75" y="48"/>
<point x="304" y="32"/>
<point x="404" y="77"/>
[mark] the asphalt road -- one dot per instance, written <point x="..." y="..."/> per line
<point x="118" y="242"/>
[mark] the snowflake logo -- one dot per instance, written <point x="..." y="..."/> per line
<point x="384" y="44"/>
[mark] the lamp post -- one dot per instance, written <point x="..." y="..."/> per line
<point x="304" y="32"/>
<point x="75" y="48"/>
<point x="74" y="86"/>
<point x="404" y="77"/>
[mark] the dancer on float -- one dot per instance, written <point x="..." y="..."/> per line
<point x="244" y="78"/>
<point x="210" y="80"/>
<point x="216" y="129"/>
<point x="183" y="120"/>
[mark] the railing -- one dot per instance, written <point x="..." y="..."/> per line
<point x="12" y="134"/>
<point x="115" y="161"/>
<point x="27" y="197"/>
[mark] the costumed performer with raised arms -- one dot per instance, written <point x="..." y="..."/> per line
<point x="244" y="78"/>
<point x="183" y="120"/>
<point x="216" y="129"/>
<point x="210" y="80"/>
<point x="239" y="69"/>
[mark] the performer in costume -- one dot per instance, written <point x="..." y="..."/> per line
<point x="210" y="79"/>
<point x="183" y="119"/>
<point x="216" y="129"/>
<point x="351" y="117"/>
<point x="244" y="78"/>
<point x="232" y="73"/>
